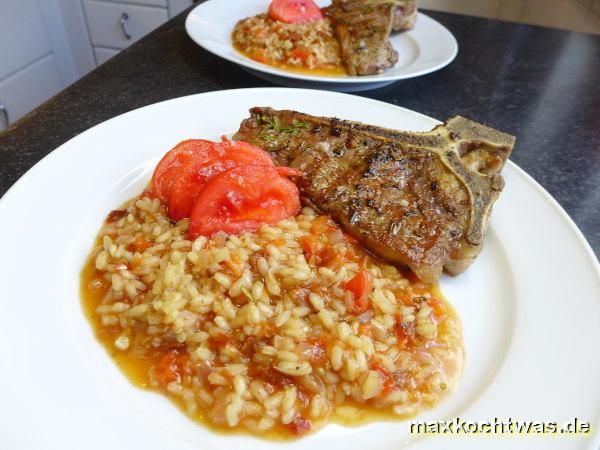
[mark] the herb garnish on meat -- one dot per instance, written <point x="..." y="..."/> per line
<point x="271" y="123"/>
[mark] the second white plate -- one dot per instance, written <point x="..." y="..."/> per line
<point x="428" y="47"/>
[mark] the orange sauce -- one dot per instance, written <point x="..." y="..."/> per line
<point x="137" y="361"/>
<point x="329" y="71"/>
<point x="136" y="367"/>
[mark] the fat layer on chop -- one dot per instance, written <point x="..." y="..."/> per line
<point x="418" y="199"/>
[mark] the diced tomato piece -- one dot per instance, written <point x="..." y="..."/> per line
<point x="169" y="368"/>
<point x="399" y="330"/>
<point x="260" y="33"/>
<point x="403" y="297"/>
<point x="192" y="177"/>
<point x="260" y="55"/>
<point x="278" y="242"/>
<point x="220" y="339"/>
<point x="361" y="304"/>
<point x="388" y="379"/>
<point x="404" y="332"/>
<point x="235" y="269"/>
<point x="241" y="199"/>
<point x="294" y="11"/>
<point x="438" y="307"/>
<point x="311" y="245"/>
<point x="301" y="53"/>
<point x="351" y="256"/>
<point x="389" y="385"/>
<point x="322" y="225"/>
<point x="170" y="164"/>
<point x="331" y="258"/>
<point x="364" y="329"/>
<point x="141" y="245"/>
<point x="361" y="286"/>
<point x="115" y="215"/>
<point x="316" y="352"/>
<point x="299" y="425"/>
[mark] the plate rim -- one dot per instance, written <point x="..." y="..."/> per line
<point x="250" y="64"/>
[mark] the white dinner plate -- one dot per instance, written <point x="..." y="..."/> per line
<point x="529" y="305"/>
<point x="429" y="46"/>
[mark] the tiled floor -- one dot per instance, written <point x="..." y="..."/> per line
<point x="578" y="15"/>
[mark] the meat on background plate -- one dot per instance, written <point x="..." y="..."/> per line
<point x="363" y="28"/>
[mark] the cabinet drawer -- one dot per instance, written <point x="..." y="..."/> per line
<point x="104" y="54"/>
<point x="23" y="35"/>
<point x="26" y="89"/>
<point x="104" y="22"/>
<point x="162" y="3"/>
<point x="177" y="6"/>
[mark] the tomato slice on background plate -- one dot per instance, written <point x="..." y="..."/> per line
<point x="242" y="199"/>
<point x="191" y="177"/>
<point x="294" y="11"/>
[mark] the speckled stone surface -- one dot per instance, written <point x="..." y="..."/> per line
<point x="541" y="85"/>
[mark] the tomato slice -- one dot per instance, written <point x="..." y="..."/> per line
<point x="241" y="199"/>
<point x="192" y="176"/>
<point x="294" y="11"/>
<point x="170" y="164"/>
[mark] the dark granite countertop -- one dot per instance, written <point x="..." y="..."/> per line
<point x="539" y="84"/>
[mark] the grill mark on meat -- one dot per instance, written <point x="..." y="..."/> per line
<point x="419" y="199"/>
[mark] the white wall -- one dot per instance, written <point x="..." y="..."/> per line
<point x="577" y="15"/>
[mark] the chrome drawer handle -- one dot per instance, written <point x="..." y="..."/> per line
<point x="4" y="113"/>
<point x="124" y="19"/>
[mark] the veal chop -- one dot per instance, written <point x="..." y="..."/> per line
<point x="419" y="199"/>
<point x="363" y="29"/>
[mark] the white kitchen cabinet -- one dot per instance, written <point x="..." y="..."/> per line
<point x="118" y="25"/>
<point x="104" y="54"/>
<point x="23" y="91"/>
<point x="24" y="39"/>
<point x="108" y="35"/>
<point x="177" y="6"/>
<point x="29" y="69"/>
<point x="45" y="45"/>
<point x="162" y="3"/>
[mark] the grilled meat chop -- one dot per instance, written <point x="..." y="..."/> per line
<point x="404" y="15"/>
<point x="363" y="28"/>
<point x="419" y="199"/>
